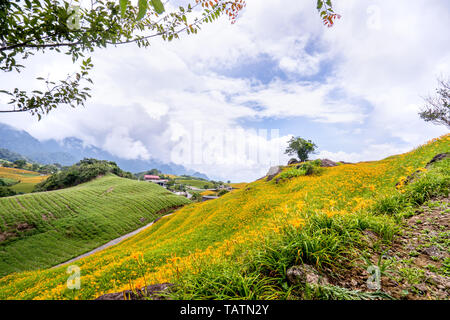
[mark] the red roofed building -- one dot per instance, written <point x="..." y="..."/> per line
<point x="150" y="177"/>
<point x="155" y="179"/>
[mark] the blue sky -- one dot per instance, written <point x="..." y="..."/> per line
<point x="354" y="89"/>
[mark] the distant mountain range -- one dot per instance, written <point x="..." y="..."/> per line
<point x="5" y="154"/>
<point x="71" y="150"/>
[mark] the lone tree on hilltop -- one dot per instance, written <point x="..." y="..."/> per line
<point x="437" y="108"/>
<point x="300" y="147"/>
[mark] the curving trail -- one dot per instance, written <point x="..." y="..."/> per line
<point x="112" y="242"/>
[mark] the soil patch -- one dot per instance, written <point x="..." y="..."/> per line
<point x="152" y="292"/>
<point x="416" y="264"/>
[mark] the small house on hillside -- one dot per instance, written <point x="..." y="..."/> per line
<point x="155" y="179"/>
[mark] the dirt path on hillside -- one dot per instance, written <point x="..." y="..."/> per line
<point x="112" y="242"/>
<point x="416" y="262"/>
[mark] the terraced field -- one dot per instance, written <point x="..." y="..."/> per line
<point x="24" y="180"/>
<point x="216" y="234"/>
<point x="195" y="183"/>
<point x="40" y="230"/>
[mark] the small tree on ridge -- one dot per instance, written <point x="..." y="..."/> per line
<point x="437" y="108"/>
<point x="300" y="147"/>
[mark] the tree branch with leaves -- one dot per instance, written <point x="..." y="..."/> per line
<point x="437" y="108"/>
<point x="28" y="27"/>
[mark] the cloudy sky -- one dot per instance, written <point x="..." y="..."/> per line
<point x="225" y="101"/>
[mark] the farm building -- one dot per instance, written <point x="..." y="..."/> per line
<point x="155" y="179"/>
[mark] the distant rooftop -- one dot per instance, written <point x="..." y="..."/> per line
<point x="151" y="177"/>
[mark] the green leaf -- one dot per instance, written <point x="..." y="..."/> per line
<point x="157" y="4"/>
<point x="319" y="4"/>
<point x="123" y="7"/>
<point x="143" y="6"/>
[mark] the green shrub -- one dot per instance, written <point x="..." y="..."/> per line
<point x="6" y="192"/>
<point x="322" y="242"/>
<point x="222" y="192"/>
<point x="196" y="196"/>
<point x="292" y="173"/>
<point x="5" y="182"/>
<point x="224" y="282"/>
<point x="304" y="169"/>
<point x="83" y="171"/>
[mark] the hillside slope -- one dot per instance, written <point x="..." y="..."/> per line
<point x="204" y="234"/>
<point x="43" y="229"/>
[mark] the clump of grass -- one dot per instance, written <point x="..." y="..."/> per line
<point x="224" y="282"/>
<point x="446" y="267"/>
<point x="432" y="183"/>
<point x="304" y="169"/>
<point x="392" y="205"/>
<point x="330" y="292"/>
<point x="323" y="242"/>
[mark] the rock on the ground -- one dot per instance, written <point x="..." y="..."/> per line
<point x="24" y="226"/>
<point x="370" y="236"/>
<point x="327" y="163"/>
<point x="421" y="287"/>
<point x="438" y="157"/>
<point x="273" y="171"/>
<point x="157" y="219"/>
<point x="293" y="161"/>
<point x="432" y="251"/>
<point x="152" y="292"/>
<point x="305" y="274"/>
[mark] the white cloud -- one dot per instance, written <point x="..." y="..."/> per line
<point x="119" y="143"/>
<point x="281" y="99"/>
<point x="370" y="153"/>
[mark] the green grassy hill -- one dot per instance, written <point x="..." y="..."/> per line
<point x="240" y="245"/>
<point x="200" y="184"/>
<point x="43" y="229"/>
